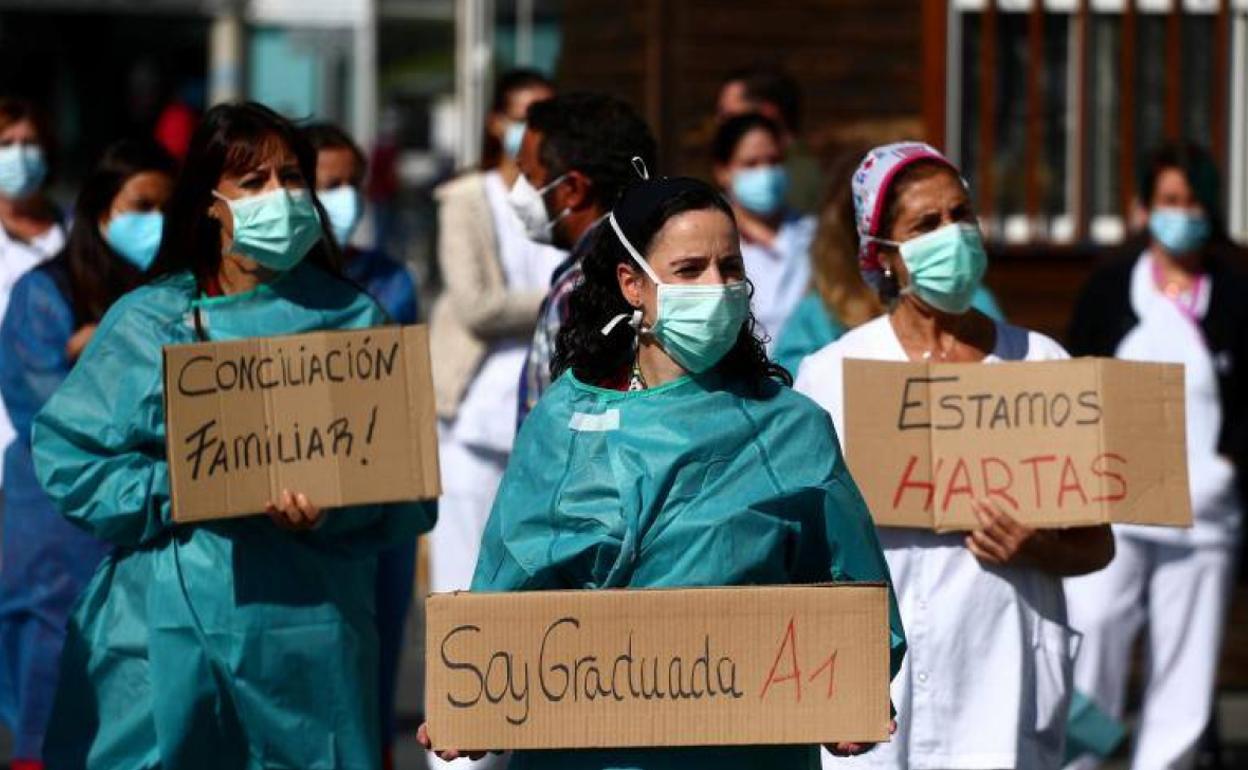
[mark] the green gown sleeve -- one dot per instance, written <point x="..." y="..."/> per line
<point x="369" y="528"/>
<point x="98" y="443"/>
<point x="856" y="552"/>
<point x="807" y="331"/>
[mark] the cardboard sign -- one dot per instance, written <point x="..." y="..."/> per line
<point x="672" y="667"/>
<point x="344" y="417"/>
<point x="1055" y="443"/>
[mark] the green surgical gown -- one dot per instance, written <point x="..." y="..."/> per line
<point x="232" y="644"/>
<point x="694" y="483"/>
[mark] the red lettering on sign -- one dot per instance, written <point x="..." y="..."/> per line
<point x="830" y="666"/>
<point x="1070" y="482"/>
<point x="962" y="475"/>
<point x="1034" y="462"/>
<point x="1100" y="470"/>
<point x="908" y="482"/>
<point x="789" y="642"/>
<point x="1000" y="490"/>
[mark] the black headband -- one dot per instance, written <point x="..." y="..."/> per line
<point x="646" y="196"/>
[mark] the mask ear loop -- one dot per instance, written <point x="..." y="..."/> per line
<point x="639" y="166"/>
<point x="635" y="316"/>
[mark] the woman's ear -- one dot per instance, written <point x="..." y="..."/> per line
<point x="723" y="176"/>
<point x="577" y="193"/>
<point x="496" y="124"/>
<point x="631" y="282"/>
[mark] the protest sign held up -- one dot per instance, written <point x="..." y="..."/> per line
<point x="1055" y="444"/>
<point x="670" y="667"/>
<point x="344" y="417"/>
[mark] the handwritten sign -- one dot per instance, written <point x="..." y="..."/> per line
<point x="1056" y="444"/>
<point x="678" y="667"/>
<point x="343" y="417"/>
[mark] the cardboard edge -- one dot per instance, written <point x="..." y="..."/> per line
<point x="175" y="512"/>
<point x="425" y="465"/>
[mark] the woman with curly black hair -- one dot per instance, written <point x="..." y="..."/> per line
<point x="671" y="452"/>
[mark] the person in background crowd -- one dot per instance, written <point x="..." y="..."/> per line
<point x="774" y="93"/>
<point x="247" y="642"/>
<point x="30" y="225"/>
<point x="1177" y="298"/>
<point x="575" y="160"/>
<point x="840" y="299"/>
<point x="340" y="172"/>
<point x="659" y="333"/>
<point x="986" y="681"/>
<point x="748" y="152"/>
<point x="52" y="313"/>
<point x="495" y="279"/>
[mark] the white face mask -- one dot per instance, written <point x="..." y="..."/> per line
<point x="529" y="204"/>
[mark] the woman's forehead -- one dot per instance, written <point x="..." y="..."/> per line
<point x="940" y="188"/>
<point x="243" y="157"/>
<point x="709" y="232"/>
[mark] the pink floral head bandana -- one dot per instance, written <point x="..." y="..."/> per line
<point x="870" y="185"/>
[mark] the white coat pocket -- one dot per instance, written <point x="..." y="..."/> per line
<point x="1055" y="646"/>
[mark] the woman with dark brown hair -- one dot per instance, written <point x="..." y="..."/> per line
<point x="53" y="311"/>
<point x="239" y="643"/>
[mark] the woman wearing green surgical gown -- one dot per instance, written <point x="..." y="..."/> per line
<point x="246" y="643"/>
<point x="671" y="452"/>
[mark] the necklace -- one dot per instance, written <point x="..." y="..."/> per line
<point x="636" y="380"/>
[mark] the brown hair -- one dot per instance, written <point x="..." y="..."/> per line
<point x="834" y="253"/>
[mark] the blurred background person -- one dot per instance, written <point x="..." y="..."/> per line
<point x="1175" y="297"/>
<point x="340" y="172"/>
<point x="748" y="154"/>
<point x="495" y="279"/>
<point x="52" y="313"/>
<point x="776" y="94"/>
<point x="575" y="161"/>
<point x="30" y="224"/>
<point x="840" y="299"/>
<point x="985" y="682"/>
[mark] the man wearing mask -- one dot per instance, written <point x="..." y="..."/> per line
<point x="775" y="93"/>
<point x="575" y="160"/>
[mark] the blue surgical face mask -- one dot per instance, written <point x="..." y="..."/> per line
<point x="762" y="189"/>
<point x="946" y="265"/>
<point x="697" y="324"/>
<point x="513" y="135"/>
<point x="344" y="206"/>
<point x="1178" y="230"/>
<point x="277" y="229"/>
<point x="22" y="170"/>
<point x="136" y="236"/>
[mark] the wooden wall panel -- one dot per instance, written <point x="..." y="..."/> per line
<point x="858" y="62"/>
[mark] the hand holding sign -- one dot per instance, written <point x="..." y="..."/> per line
<point x="844" y="749"/>
<point x="294" y="512"/>
<point x="446" y="755"/>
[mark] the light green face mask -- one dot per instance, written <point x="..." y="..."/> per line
<point x="697" y="324"/>
<point x="277" y="228"/>
<point x="945" y="266"/>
